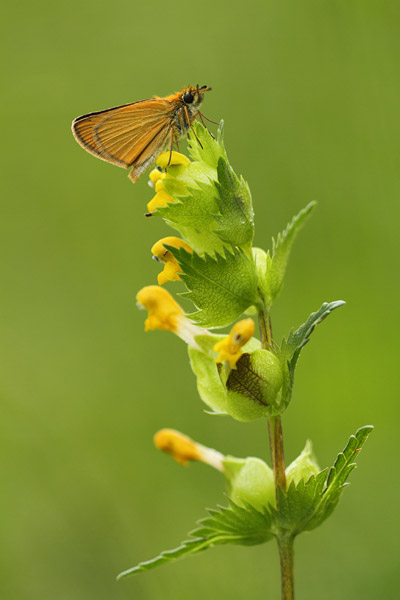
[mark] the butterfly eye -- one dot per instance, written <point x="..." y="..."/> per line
<point x="188" y="98"/>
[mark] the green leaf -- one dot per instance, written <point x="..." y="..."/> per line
<point x="192" y="214"/>
<point x="222" y="288"/>
<point x="296" y="340"/>
<point x="291" y="347"/>
<point x="337" y="476"/>
<point x="211" y="149"/>
<point x="225" y="525"/>
<point x="236" y="218"/>
<point x="306" y="505"/>
<point x="272" y="280"/>
<point x="297" y="504"/>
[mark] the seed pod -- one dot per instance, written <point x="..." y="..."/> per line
<point x="254" y="385"/>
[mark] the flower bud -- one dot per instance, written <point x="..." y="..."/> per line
<point x="253" y="386"/>
<point x="303" y="467"/>
<point x="249" y="480"/>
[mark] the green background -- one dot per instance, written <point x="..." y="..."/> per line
<point x="309" y="92"/>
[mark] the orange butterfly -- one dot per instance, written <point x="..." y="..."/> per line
<point x="135" y="134"/>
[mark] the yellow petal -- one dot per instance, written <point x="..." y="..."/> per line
<point x="168" y="159"/>
<point x="159" y="187"/>
<point x="169" y="273"/>
<point x="171" y="269"/>
<point x="178" y="445"/>
<point x="156" y="175"/>
<point x="230" y="347"/>
<point x="164" y="311"/>
<point x="242" y="331"/>
<point x="160" y="199"/>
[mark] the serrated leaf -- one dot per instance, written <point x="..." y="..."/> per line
<point x="236" y="218"/>
<point x="222" y="288"/>
<point x="297" y="504"/>
<point x="192" y="214"/>
<point x="291" y="346"/>
<point x="296" y="340"/>
<point x="225" y="525"/>
<point x="211" y="149"/>
<point x="337" y="476"/>
<point x="306" y="505"/>
<point x="271" y="283"/>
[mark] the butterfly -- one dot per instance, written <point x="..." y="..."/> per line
<point x="133" y="135"/>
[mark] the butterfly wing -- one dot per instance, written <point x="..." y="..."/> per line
<point x="128" y="136"/>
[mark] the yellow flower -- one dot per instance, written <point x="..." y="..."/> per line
<point x="167" y="159"/>
<point x="230" y="348"/>
<point x="164" y="311"/>
<point x="249" y="480"/>
<point x="160" y="199"/>
<point x="171" y="267"/>
<point x="183" y="449"/>
<point x="166" y="314"/>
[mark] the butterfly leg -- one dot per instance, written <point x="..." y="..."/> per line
<point x="206" y="118"/>
<point x="191" y="126"/>
<point x="171" y="145"/>
<point x="204" y="125"/>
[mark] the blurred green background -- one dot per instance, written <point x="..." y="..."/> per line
<point x="309" y="92"/>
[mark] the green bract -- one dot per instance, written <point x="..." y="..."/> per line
<point x="272" y="272"/>
<point x="212" y="205"/>
<point x="251" y="481"/>
<point x="303" y="467"/>
<point x="254" y="385"/>
<point x="211" y="383"/>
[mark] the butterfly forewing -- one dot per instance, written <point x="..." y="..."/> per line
<point x="121" y="135"/>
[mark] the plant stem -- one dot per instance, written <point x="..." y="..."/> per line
<point x="276" y="445"/>
<point x="265" y="330"/>
<point x="285" y="545"/>
<point x="285" y="542"/>
<point x="274" y="423"/>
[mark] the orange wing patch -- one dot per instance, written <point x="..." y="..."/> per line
<point x="123" y="134"/>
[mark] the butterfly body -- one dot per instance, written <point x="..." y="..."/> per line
<point x="134" y="135"/>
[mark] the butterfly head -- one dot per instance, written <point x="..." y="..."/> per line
<point x="192" y="96"/>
